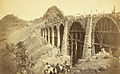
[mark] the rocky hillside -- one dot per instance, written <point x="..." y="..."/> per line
<point x="11" y="21"/>
<point x="9" y="24"/>
<point x="37" y="20"/>
<point x="11" y="29"/>
<point x="10" y="18"/>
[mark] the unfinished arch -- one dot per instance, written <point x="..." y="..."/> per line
<point x="107" y="35"/>
<point x="76" y="41"/>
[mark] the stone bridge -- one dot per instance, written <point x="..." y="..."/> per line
<point x="81" y="36"/>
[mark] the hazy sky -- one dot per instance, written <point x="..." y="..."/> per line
<point x="31" y="9"/>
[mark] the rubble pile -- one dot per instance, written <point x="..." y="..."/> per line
<point x="39" y="52"/>
<point x="30" y="55"/>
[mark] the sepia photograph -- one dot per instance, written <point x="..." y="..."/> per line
<point x="59" y="36"/>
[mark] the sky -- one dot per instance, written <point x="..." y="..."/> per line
<point x="31" y="9"/>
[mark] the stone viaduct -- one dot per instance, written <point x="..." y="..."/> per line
<point x="81" y="36"/>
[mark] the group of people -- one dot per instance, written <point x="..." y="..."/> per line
<point x="56" y="69"/>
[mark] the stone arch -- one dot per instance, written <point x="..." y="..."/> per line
<point x="107" y="35"/>
<point x="55" y="36"/>
<point x="76" y="41"/>
<point x="79" y="20"/>
<point x="50" y="29"/>
<point x="61" y="34"/>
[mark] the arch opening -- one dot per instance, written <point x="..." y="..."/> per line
<point x="44" y="32"/>
<point x="61" y="35"/>
<point x="47" y="34"/>
<point x="50" y="35"/>
<point x="107" y="36"/>
<point x="76" y="42"/>
<point x="55" y="36"/>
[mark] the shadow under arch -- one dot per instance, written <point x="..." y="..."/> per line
<point x="44" y="32"/>
<point x="61" y="35"/>
<point x="50" y="29"/>
<point x="41" y="32"/>
<point x="47" y="34"/>
<point x="55" y="36"/>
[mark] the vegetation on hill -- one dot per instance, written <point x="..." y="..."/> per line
<point x="37" y="20"/>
